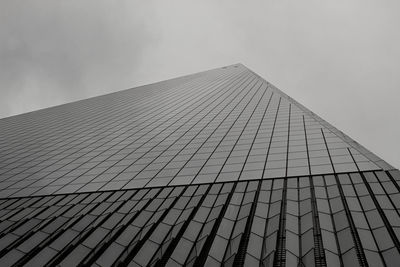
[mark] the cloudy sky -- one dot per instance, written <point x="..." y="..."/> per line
<point x="339" y="58"/>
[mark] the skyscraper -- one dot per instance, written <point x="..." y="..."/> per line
<point x="214" y="168"/>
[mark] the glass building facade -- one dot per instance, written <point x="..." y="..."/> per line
<point x="214" y="168"/>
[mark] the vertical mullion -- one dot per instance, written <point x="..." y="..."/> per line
<point x="356" y="239"/>
<point x="319" y="253"/>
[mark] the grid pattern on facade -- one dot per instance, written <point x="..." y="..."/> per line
<point x="226" y="124"/>
<point x="325" y="220"/>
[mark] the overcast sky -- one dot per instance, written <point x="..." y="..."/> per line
<point x="340" y="58"/>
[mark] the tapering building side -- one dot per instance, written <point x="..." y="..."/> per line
<point x="214" y="168"/>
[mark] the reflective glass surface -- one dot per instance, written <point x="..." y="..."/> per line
<point x="225" y="124"/>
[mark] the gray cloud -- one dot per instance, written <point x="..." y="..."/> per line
<point x="341" y="59"/>
<point x="60" y="51"/>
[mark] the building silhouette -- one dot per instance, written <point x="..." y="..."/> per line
<point x="214" y="168"/>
